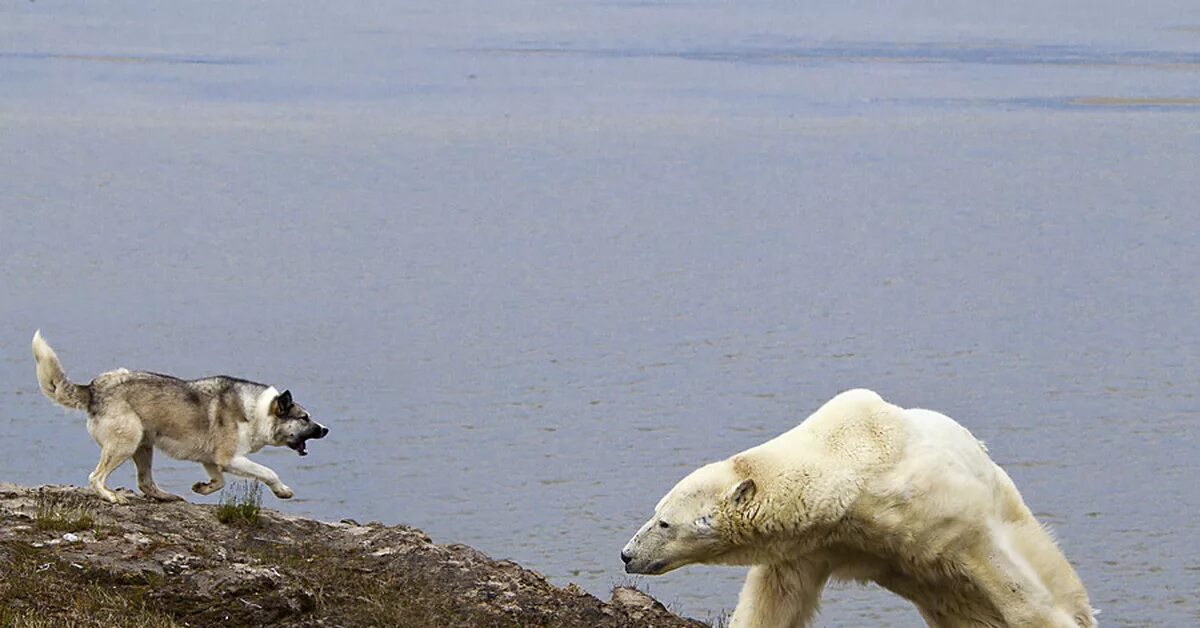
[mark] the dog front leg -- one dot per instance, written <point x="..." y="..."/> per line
<point x="245" y="467"/>
<point x="216" y="480"/>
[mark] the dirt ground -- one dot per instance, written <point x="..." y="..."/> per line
<point x="69" y="559"/>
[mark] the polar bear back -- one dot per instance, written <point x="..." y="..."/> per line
<point x="812" y="473"/>
<point x="856" y="428"/>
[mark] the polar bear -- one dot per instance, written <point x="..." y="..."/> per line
<point x="864" y="490"/>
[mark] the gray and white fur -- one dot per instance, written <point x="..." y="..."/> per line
<point x="215" y="421"/>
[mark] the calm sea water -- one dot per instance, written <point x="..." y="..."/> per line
<point x="533" y="262"/>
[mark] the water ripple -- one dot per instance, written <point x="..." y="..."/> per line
<point x="988" y="53"/>
<point x="165" y="59"/>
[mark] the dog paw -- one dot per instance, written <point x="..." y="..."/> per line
<point x="154" y="493"/>
<point x="283" y="492"/>
<point x="115" y="498"/>
<point x="205" y="488"/>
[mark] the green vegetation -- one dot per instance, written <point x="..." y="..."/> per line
<point x="359" y="595"/>
<point x="165" y="565"/>
<point x="37" y="591"/>
<point x="241" y="505"/>
<point x="57" y="515"/>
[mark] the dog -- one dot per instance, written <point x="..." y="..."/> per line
<point x="215" y="421"/>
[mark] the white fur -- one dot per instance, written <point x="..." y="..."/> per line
<point x="255" y="434"/>
<point x="864" y="490"/>
<point x="247" y="468"/>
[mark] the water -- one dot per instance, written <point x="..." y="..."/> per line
<point x="533" y="263"/>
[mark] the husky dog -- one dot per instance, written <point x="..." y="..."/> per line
<point x="216" y="421"/>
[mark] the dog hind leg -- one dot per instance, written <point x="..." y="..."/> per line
<point x="118" y="433"/>
<point x="112" y="455"/>
<point x="143" y="458"/>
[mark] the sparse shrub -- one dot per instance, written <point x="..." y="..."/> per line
<point x="241" y="504"/>
<point x="37" y="591"/>
<point x="57" y="516"/>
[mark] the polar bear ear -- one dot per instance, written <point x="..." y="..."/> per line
<point x="742" y="493"/>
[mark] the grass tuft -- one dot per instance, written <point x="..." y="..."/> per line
<point x="50" y="514"/>
<point x="241" y="505"/>
<point x="37" y="591"/>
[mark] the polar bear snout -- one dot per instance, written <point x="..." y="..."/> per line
<point x="627" y="557"/>
<point x="640" y="569"/>
<point x="641" y="566"/>
<point x="658" y="547"/>
<point x="635" y="557"/>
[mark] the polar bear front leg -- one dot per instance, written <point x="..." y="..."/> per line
<point x="780" y="595"/>
<point x="1014" y="588"/>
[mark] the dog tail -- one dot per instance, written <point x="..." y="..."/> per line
<point x="53" y="380"/>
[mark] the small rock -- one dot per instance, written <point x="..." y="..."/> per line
<point x="71" y="537"/>
<point x="630" y="597"/>
<point x="177" y="563"/>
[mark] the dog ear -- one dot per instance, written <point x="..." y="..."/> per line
<point x="282" y="404"/>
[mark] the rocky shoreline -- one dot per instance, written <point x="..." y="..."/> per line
<point x="67" y="558"/>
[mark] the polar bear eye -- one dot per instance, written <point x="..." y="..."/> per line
<point x="663" y="524"/>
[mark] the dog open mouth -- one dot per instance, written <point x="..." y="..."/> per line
<point x="297" y="440"/>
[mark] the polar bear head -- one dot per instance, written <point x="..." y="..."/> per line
<point x="700" y="520"/>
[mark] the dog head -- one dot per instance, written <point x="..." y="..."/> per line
<point x="292" y="424"/>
